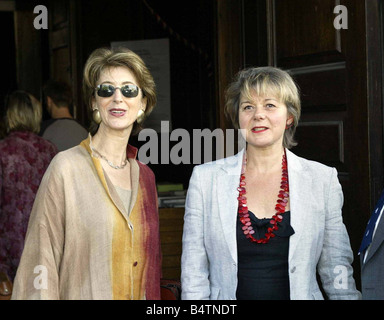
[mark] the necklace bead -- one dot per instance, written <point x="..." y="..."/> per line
<point x="280" y="207"/>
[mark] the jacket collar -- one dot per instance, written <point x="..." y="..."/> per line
<point x="377" y="240"/>
<point x="227" y="183"/>
<point x="299" y="184"/>
<point x="106" y="182"/>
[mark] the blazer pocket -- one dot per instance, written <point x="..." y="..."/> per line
<point x="215" y="291"/>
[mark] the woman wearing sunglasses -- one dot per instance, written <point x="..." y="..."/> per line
<point x="94" y="231"/>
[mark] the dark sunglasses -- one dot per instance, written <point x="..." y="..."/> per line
<point x="107" y="90"/>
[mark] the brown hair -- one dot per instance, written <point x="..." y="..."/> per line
<point x="264" y="80"/>
<point x="60" y="92"/>
<point x="104" y="58"/>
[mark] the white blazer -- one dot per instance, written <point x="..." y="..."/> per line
<point x="320" y="243"/>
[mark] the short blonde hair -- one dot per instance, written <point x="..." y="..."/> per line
<point x="105" y="58"/>
<point x="265" y="80"/>
<point x="24" y="112"/>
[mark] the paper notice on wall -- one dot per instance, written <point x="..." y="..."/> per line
<point x="155" y="53"/>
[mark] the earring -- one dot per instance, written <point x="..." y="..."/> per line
<point x="140" y="116"/>
<point x="96" y="116"/>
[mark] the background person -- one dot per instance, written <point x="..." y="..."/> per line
<point x="62" y="129"/>
<point x="372" y="255"/>
<point x="24" y="157"/>
<point x="95" y="225"/>
<point x="260" y="224"/>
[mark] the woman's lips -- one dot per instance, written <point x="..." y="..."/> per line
<point x="259" y="129"/>
<point x="117" y="112"/>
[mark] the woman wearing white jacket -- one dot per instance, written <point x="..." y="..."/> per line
<point x="263" y="223"/>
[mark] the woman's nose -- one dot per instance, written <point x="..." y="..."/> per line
<point x="117" y="96"/>
<point x="259" y="114"/>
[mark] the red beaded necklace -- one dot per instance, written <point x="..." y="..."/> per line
<point x="282" y="201"/>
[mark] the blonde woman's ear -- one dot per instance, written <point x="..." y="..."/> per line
<point x="289" y="123"/>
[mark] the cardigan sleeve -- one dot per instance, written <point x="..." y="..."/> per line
<point x="38" y="272"/>
<point x="335" y="264"/>
<point x="194" y="262"/>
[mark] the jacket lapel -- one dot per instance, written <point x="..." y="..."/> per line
<point x="108" y="185"/>
<point x="299" y="184"/>
<point x="227" y="183"/>
<point x="377" y="240"/>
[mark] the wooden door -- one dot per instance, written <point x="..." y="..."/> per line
<point x="64" y="48"/>
<point x="334" y="69"/>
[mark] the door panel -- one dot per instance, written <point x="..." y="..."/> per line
<point x="305" y="34"/>
<point x="64" y="47"/>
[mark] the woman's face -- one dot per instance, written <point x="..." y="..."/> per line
<point x="118" y="112"/>
<point x="263" y="120"/>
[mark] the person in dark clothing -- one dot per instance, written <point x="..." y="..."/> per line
<point x="62" y="129"/>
